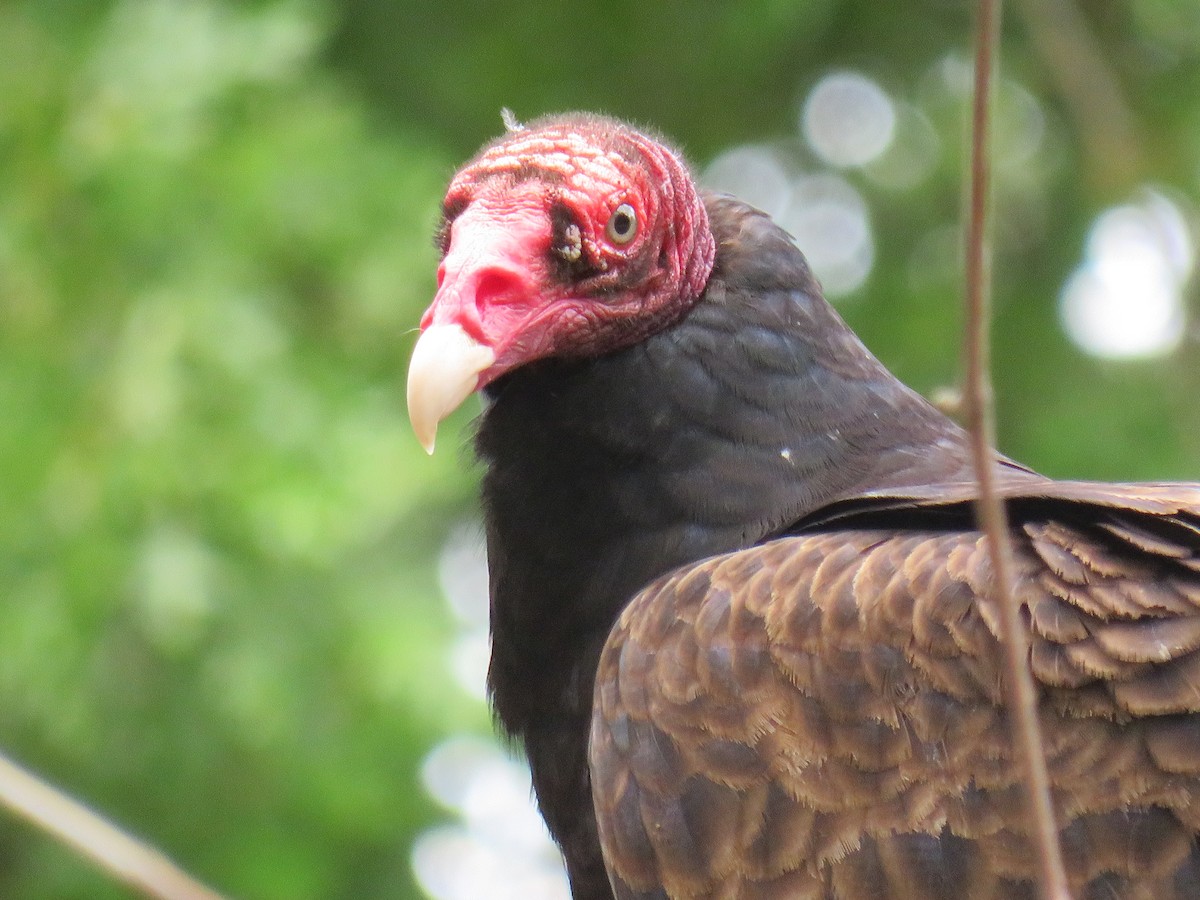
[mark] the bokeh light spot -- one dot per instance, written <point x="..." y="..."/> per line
<point x="1125" y="300"/>
<point x="848" y="119"/>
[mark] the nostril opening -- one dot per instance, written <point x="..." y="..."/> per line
<point x="499" y="286"/>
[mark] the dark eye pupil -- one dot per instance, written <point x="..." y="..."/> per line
<point x="622" y="223"/>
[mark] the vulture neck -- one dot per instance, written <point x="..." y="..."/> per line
<point x="759" y="407"/>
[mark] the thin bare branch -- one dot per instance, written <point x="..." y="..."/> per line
<point x="121" y="855"/>
<point x="1021" y="699"/>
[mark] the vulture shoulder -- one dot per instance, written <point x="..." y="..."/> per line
<point x="822" y="715"/>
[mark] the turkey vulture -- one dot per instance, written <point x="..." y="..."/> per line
<point x="740" y="607"/>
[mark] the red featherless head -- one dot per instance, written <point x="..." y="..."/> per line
<point x="570" y="237"/>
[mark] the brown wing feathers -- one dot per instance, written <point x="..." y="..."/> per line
<point x="822" y="715"/>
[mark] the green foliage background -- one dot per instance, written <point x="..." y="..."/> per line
<point x="218" y="618"/>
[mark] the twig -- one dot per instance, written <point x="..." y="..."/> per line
<point x="123" y="856"/>
<point x="990" y="511"/>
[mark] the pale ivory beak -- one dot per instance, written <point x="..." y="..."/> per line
<point x="443" y="372"/>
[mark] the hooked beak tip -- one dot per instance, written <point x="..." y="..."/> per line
<point x="444" y="371"/>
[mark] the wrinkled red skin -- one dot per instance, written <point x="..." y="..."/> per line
<point x="489" y="280"/>
<point x="499" y="280"/>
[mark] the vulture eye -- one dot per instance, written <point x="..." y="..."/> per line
<point x="622" y="224"/>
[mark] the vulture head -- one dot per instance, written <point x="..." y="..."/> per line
<point x="570" y="237"/>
